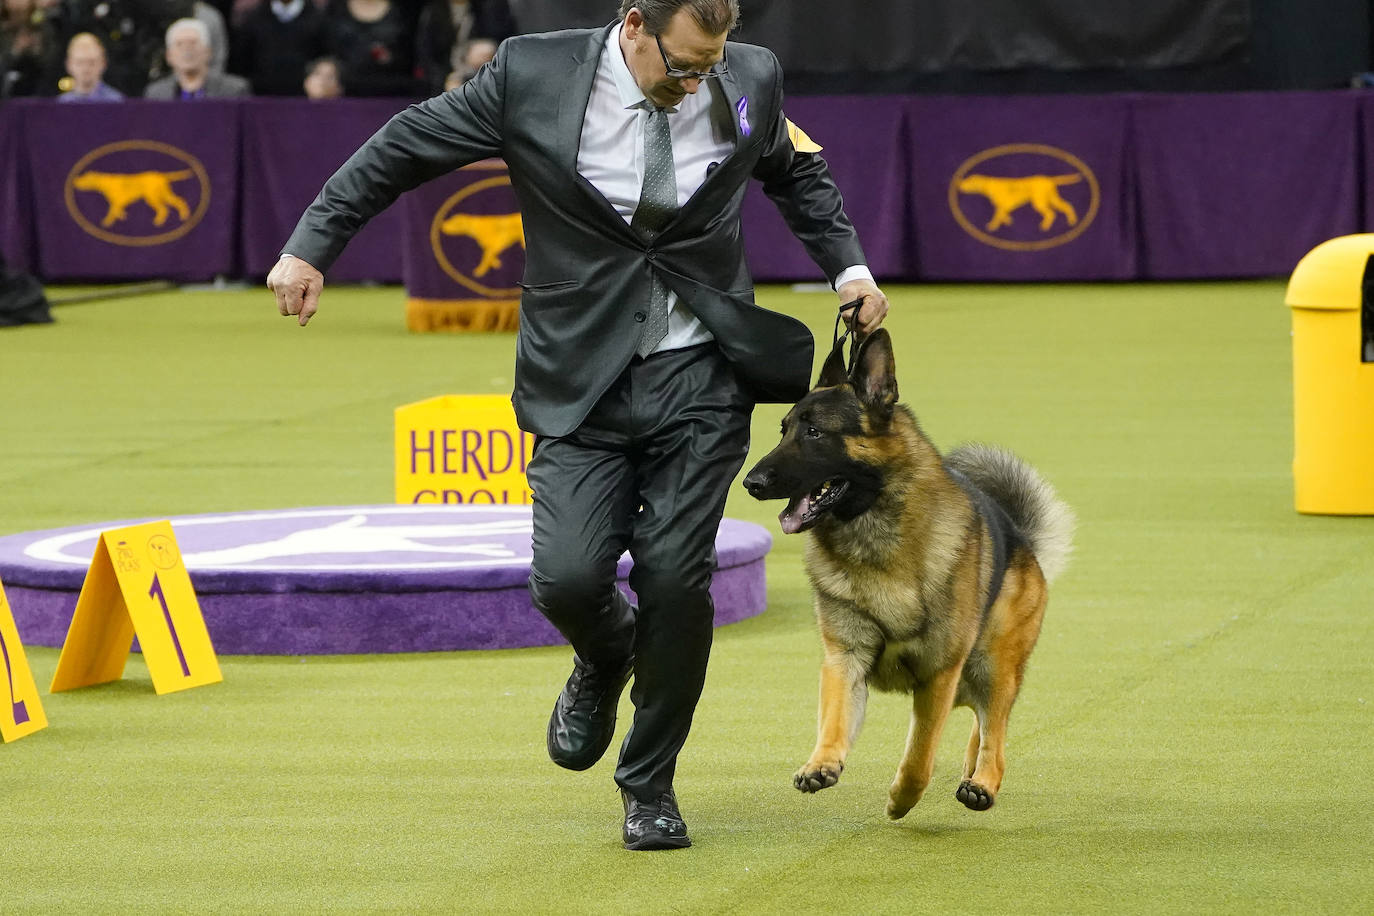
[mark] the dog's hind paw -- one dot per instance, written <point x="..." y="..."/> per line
<point x="813" y="779"/>
<point x="974" y="796"/>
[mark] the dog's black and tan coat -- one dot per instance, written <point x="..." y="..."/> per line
<point x="930" y="573"/>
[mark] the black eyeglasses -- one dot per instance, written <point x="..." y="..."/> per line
<point x="674" y="73"/>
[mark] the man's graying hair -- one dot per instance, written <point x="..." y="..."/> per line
<point x="715" y="17"/>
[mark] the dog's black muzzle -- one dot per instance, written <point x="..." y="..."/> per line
<point x="757" y="482"/>
<point x="762" y="482"/>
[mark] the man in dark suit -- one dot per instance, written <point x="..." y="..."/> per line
<point x="640" y="354"/>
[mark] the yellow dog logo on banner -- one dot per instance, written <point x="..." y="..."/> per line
<point x="1009" y="194"/>
<point x="141" y="184"/>
<point x="490" y="235"/>
<point x="494" y="233"/>
<point x="152" y="188"/>
<point x="1005" y="179"/>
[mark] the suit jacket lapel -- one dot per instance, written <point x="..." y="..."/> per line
<point x="572" y="111"/>
<point x="729" y="109"/>
<point x="738" y="104"/>
<point x="572" y="102"/>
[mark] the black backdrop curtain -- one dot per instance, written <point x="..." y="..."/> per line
<point x="1011" y="46"/>
<point x="938" y="35"/>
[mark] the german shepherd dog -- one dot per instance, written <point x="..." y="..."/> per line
<point x="930" y="574"/>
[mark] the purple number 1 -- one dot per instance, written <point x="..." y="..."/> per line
<point x="156" y="592"/>
<point x="21" y="712"/>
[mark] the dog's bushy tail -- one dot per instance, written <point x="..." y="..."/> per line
<point x="1035" y="508"/>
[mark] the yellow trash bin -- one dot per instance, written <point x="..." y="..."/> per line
<point x="1331" y="294"/>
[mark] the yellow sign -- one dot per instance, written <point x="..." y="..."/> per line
<point x="137" y="584"/>
<point x="20" y="712"/>
<point x="462" y="449"/>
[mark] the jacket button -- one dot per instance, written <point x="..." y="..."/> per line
<point x="640" y="316"/>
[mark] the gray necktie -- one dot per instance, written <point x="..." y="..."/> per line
<point x="657" y="204"/>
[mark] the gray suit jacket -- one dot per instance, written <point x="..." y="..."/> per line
<point x="586" y="271"/>
<point x="217" y="86"/>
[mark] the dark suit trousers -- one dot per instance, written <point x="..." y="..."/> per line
<point x="647" y="471"/>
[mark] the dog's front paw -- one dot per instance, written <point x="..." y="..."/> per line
<point x="814" y="777"/>
<point x="901" y="798"/>
<point x="897" y="809"/>
<point x="974" y="796"/>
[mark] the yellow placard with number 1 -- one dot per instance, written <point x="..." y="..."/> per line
<point x="137" y="584"/>
<point x="20" y="712"/>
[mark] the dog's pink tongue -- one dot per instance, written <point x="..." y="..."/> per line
<point x="791" y="517"/>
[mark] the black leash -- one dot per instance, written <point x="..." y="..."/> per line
<point x="850" y="333"/>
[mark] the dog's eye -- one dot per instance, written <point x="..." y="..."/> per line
<point x="812" y="432"/>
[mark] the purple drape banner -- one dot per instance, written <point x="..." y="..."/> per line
<point x="464" y="239"/>
<point x="291" y="148"/>
<point x="134" y="190"/>
<point x="1020" y="188"/>
<point x="464" y="251"/>
<point x="862" y="143"/>
<point x="940" y="188"/>
<point x="1244" y="184"/>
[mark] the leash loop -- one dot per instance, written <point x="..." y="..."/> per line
<point x="850" y="333"/>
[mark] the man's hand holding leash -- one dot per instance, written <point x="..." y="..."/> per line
<point x="871" y="311"/>
<point x="297" y="287"/>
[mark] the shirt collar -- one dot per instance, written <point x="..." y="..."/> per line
<point x="631" y="96"/>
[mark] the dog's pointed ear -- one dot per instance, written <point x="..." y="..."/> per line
<point x="833" y="371"/>
<point x="875" y="372"/>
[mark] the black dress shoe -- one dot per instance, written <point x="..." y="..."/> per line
<point x="655" y="824"/>
<point x="583" y="720"/>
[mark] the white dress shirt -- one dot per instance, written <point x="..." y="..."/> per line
<point x="613" y="135"/>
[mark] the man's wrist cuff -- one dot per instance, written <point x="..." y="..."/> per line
<point x="857" y="272"/>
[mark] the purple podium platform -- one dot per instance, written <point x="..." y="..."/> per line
<point x="350" y="579"/>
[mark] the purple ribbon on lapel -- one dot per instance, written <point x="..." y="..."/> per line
<point x="743" y="108"/>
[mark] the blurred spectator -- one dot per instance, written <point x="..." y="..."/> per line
<point x="448" y="29"/>
<point x="479" y="51"/>
<point x="375" y="46"/>
<point x="86" y="69"/>
<point x="322" y="79"/>
<point x="129" y="30"/>
<point x="188" y="54"/>
<point x="219" y="34"/>
<point x="29" y="49"/>
<point x="275" y="44"/>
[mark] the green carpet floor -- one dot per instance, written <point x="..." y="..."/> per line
<point x="1195" y="734"/>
